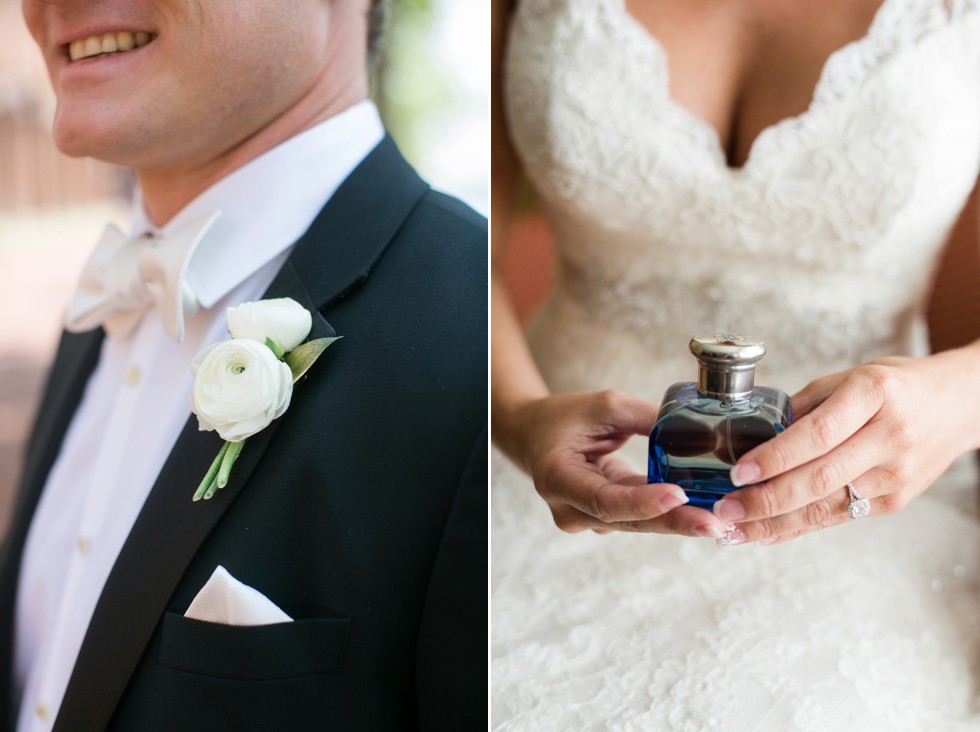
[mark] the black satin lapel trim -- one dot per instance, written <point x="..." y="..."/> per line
<point x="76" y="359"/>
<point x="289" y="284"/>
<point x="351" y="233"/>
<point x="167" y="534"/>
<point x="74" y="362"/>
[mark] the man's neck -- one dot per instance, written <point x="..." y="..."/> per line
<point x="166" y="190"/>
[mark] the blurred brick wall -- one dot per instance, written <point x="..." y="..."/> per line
<point x="42" y="251"/>
<point x="20" y="386"/>
<point x="34" y="174"/>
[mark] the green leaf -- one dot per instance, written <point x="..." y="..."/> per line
<point x="302" y="357"/>
<point x="205" y="486"/>
<point x="274" y="347"/>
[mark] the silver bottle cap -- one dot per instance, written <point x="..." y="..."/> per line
<point x="726" y="364"/>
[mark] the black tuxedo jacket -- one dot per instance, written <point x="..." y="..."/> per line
<point x="361" y="512"/>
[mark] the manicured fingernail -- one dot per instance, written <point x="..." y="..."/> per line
<point x="710" y="531"/>
<point x="733" y="538"/>
<point x="674" y="498"/>
<point x="729" y="509"/>
<point x="767" y="542"/>
<point x="745" y="473"/>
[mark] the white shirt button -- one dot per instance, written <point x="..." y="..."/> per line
<point x="42" y="711"/>
<point x="84" y="545"/>
<point x="132" y="375"/>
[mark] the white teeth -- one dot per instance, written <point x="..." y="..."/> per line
<point x="108" y="43"/>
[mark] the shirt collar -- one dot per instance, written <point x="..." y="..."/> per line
<point x="269" y="203"/>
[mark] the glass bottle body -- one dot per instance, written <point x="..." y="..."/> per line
<point x="697" y="439"/>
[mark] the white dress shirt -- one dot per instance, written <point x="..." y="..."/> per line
<point x="137" y="400"/>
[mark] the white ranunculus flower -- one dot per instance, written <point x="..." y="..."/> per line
<point x="283" y="320"/>
<point x="239" y="388"/>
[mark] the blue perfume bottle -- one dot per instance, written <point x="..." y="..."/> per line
<point x="705" y="427"/>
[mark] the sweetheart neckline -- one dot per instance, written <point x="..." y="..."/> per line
<point x="830" y="64"/>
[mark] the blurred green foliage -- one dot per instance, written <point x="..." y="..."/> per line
<point x="410" y="82"/>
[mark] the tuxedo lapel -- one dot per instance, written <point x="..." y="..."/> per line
<point x="332" y="259"/>
<point x="76" y="359"/>
<point x="289" y="284"/>
<point x="357" y="224"/>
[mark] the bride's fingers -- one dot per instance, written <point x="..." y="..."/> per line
<point x="618" y="470"/>
<point x="814" y="394"/>
<point x="874" y="486"/>
<point x="838" y="417"/>
<point x="591" y="493"/>
<point x="608" y="419"/>
<point x="623" y="412"/>
<point x="608" y="496"/>
<point x="806" y="485"/>
<point x="686" y="521"/>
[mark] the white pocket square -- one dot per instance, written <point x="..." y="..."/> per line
<point x="223" y="599"/>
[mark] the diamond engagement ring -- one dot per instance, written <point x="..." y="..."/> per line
<point x="858" y="507"/>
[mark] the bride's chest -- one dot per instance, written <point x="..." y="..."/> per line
<point x="743" y="65"/>
<point x="894" y="121"/>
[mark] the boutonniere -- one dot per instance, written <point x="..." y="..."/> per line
<point x="241" y="385"/>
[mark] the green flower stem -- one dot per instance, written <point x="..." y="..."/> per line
<point x="234" y="448"/>
<point x="212" y="488"/>
<point x="274" y="347"/>
<point x="212" y="472"/>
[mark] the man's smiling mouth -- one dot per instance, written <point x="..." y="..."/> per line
<point x="107" y="44"/>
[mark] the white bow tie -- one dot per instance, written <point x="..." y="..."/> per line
<point x="124" y="278"/>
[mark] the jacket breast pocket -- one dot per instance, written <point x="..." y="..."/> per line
<point x="305" y="647"/>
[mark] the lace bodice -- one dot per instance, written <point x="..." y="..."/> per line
<point x="829" y="232"/>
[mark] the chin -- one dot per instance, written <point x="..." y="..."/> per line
<point x="81" y="136"/>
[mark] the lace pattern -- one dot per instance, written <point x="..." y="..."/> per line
<point x="663" y="304"/>
<point x="870" y="629"/>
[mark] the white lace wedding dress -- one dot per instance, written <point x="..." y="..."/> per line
<point x="824" y="245"/>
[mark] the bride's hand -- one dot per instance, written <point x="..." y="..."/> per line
<point x="890" y="428"/>
<point x="565" y="444"/>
